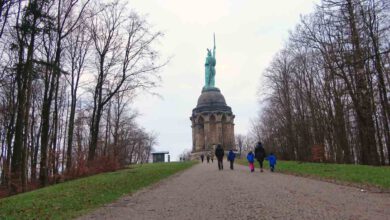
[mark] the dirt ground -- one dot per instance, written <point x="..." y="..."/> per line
<point x="204" y="192"/>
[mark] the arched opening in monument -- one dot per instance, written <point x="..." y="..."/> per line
<point x="200" y="134"/>
<point x="213" y="132"/>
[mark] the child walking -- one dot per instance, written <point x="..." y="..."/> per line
<point x="272" y="161"/>
<point x="251" y="159"/>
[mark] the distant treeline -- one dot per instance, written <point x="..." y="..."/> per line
<point x="69" y="70"/>
<point x="329" y="86"/>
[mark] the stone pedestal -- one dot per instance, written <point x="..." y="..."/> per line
<point x="212" y="123"/>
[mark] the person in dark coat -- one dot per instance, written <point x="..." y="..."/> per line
<point x="260" y="154"/>
<point x="219" y="153"/>
<point x="208" y="158"/>
<point x="202" y="157"/>
<point x="231" y="157"/>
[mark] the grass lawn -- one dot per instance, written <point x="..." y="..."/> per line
<point x="74" y="198"/>
<point x="360" y="174"/>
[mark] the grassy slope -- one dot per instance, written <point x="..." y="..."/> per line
<point x="361" y="174"/>
<point x="73" y="198"/>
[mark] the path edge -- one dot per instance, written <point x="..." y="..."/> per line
<point x="142" y="190"/>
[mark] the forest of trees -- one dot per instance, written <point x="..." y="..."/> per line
<point x="69" y="71"/>
<point x="329" y="86"/>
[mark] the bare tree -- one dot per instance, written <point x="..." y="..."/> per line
<point x="78" y="44"/>
<point x="123" y="63"/>
<point x="240" y="142"/>
<point x="63" y="25"/>
<point x="6" y="7"/>
<point x="45" y="112"/>
<point x="328" y="86"/>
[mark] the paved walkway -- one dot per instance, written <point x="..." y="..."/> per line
<point x="203" y="192"/>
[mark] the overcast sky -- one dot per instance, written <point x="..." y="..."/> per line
<point x="248" y="34"/>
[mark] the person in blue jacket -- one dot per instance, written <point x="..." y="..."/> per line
<point x="251" y="159"/>
<point x="231" y="157"/>
<point x="272" y="161"/>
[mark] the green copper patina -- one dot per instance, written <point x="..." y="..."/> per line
<point x="210" y="68"/>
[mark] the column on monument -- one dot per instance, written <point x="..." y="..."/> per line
<point x="199" y="133"/>
<point x="233" y="141"/>
<point x="193" y="134"/>
<point x="213" y="132"/>
<point x="224" y="131"/>
<point x="228" y="132"/>
<point x="231" y="133"/>
<point x="219" y="132"/>
<point x="206" y="132"/>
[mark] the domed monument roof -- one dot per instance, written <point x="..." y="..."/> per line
<point x="211" y="99"/>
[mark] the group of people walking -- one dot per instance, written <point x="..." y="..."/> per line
<point x="208" y="158"/>
<point x="219" y="153"/>
<point x="260" y="155"/>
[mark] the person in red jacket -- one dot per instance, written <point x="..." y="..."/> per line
<point x="251" y="159"/>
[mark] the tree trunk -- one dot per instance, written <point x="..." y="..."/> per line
<point x="55" y="130"/>
<point x="45" y="123"/>
<point x="9" y="136"/>
<point x="362" y="103"/>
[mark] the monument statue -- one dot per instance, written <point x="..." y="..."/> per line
<point x="212" y="120"/>
<point x="210" y="68"/>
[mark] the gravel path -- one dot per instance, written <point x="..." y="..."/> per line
<point x="203" y="192"/>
